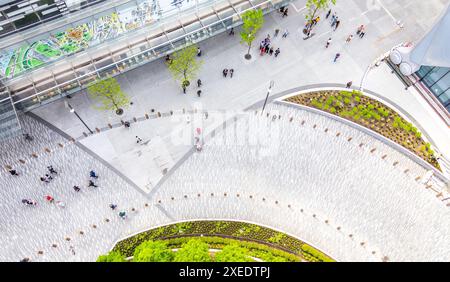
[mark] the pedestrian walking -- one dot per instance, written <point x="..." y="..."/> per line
<point x="349" y="38"/>
<point x="285" y="12"/>
<point x="93" y="174"/>
<point x="277" y="52"/>
<point x="184" y="88"/>
<point x="363" y="32"/>
<point x="338" y="22"/>
<point x="225" y="72"/>
<point x="337" y="57"/>
<point x="199" y="83"/>
<point x="123" y="214"/>
<point x="276" y="32"/>
<point x="49" y="198"/>
<point x="28" y="202"/>
<point x="49" y="177"/>
<point x="72" y="249"/>
<point x="113" y="206"/>
<point x="231" y="73"/>
<point x="231" y="31"/>
<point x="349" y="84"/>
<point x="328" y="43"/>
<point x="138" y="140"/>
<point x="199" y="52"/>
<point x="13" y="172"/>
<point x="267" y="48"/>
<point x="316" y="20"/>
<point x="43" y="179"/>
<point x="76" y="188"/>
<point x="285" y="34"/>
<point x="127" y="124"/>
<point x="199" y="92"/>
<point x="359" y="29"/>
<point x="334" y="19"/>
<point x="92" y="184"/>
<point x="52" y="170"/>
<point x="271" y="51"/>
<point x="328" y="14"/>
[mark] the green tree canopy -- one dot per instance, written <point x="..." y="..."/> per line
<point x="314" y="6"/>
<point x="253" y="21"/>
<point x="233" y="253"/>
<point x="108" y="94"/>
<point x="112" y="257"/>
<point x="153" y="251"/>
<point x="184" y="65"/>
<point x="193" y="251"/>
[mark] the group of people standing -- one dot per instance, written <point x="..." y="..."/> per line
<point x="265" y="47"/>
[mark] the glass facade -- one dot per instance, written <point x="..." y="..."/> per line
<point x="437" y="79"/>
<point x="144" y="42"/>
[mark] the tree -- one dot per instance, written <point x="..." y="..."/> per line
<point x="153" y="251"/>
<point x="112" y="256"/>
<point x="184" y="65"/>
<point x="233" y="253"/>
<point x="194" y="250"/>
<point x="253" y="21"/>
<point x="108" y="93"/>
<point x="314" y="6"/>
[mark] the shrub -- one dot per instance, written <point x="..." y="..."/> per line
<point x="332" y="110"/>
<point x="193" y="251"/>
<point x="310" y="251"/>
<point x="347" y="101"/>
<point x="233" y="253"/>
<point x="357" y="99"/>
<point x="113" y="256"/>
<point x="153" y="251"/>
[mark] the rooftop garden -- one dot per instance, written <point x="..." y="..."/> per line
<point x="372" y="114"/>
<point x="245" y="242"/>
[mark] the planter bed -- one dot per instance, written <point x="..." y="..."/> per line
<point x="245" y="232"/>
<point x="372" y="114"/>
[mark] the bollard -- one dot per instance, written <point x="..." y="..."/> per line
<point x="338" y="228"/>
<point x="290" y="120"/>
<point x="54" y="246"/>
<point x="276" y="202"/>
<point x="301" y="210"/>
<point x="172" y="198"/>
<point x="94" y="226"/>
<point x="47" y="150"/>
<point x="417" y="178"/>
<point x="264" y="199"/>
<point x="373" y="150"/>
<point x="67" y="238"/>
<point x="251" y="197"/>
<point x="395" y="163"/>
<point x="315" y="125"/>
<point x="171" y="112"/>
<point x="72" y="140"/>
<point x="225" y="194"/>
<point x="81" y="233"/>
<point x="384" y="156"/>
<point x="303" y="122"/>
<point x="159" y="114"/>
<point x="135" y="119"/>
<point x="237" y="195"/>
<point x="212" y="194"/>
<point x="22" y="161"/>
<point x="60" y="145"/>
<point x="406" y="170"/>
<point x="349" y="139"/>
<point x="185" y="196"/>
<point x="146" y="116"/>
<point x="153" y="110"/>
<point x="98" y="130"/>
<point x="326" y="130"/>
<point x="289" y="206"/>
<point x="338" y="134"/>
<point x="85" y="134"/>
<point x="361" y="144"/>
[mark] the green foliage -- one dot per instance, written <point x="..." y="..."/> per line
<point x="313" y="6"/>
<point x="233" y="253"/>
<point x="357" y="99"/>
<point x="153" y="251"/>
<point x="184" y="65"/>
<point x="193" y="251"/>
<point x="315" y="254"/>
<point x="253" y="21"/>
<point x="277" y="238"/>
<point x="112" y="256"/>
<point x="347" y="101"/>
<point x="332" y="110"/>
<point x="108" y="93"/>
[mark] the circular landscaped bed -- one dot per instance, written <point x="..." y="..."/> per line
<point x="256" y="242"/>
<point x="372" y="114"/>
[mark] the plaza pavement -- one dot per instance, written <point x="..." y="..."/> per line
<point x="300" y="63"/>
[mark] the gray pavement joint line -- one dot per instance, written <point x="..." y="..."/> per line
<point x="165" y="212"/>
<point x="88" y="151"/>
<point x="189" y="153"/>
